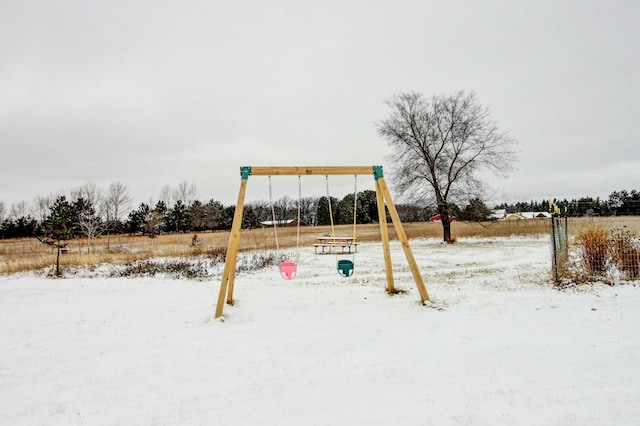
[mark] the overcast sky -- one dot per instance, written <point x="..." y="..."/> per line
<point x="160" y="92"/>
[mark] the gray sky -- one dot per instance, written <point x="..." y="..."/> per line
<point x="155" y="93"/>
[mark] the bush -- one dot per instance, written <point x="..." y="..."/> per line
<point x="594" y="250"/>
<point x="261" y="260"/>
<point x="615" y="254"/>
<point x="177" y="268"/>
<point x="625" y="253"/>
<point x="218" y="254"/>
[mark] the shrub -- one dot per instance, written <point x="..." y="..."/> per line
<point x="625" y="253"/>
<point x="176" y="268"/>
<point x="218" y="254"/>
<point x="594" y="250"/>
<point x="261" y="260"/>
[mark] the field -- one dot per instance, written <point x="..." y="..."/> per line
<point x="498" y="345"/>
<point x="30" y="254"/>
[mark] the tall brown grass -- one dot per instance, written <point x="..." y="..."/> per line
<point x="601" y="249"/>
<point x="594" y="250"/>
<point x="29" y="254"/>
<point x="625" y="252"/>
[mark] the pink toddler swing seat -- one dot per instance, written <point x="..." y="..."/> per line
<point x="288" y="270"/>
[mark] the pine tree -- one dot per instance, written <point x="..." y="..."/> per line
<point x="476" y="211"/>
<point x="58" y="227"/>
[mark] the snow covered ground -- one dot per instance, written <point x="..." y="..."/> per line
<point x="499" y="345"/>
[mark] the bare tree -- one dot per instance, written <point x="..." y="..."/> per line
<point x="152" y="222"/>
<point x="42" y="206"/>
<point x="166" y="196"/>
<point x="442" y="145"/>
<point x="91" y="224"/>
<point x="2" y="212"/>
<point x="186" y="193"/>
<point x="285" y="208"/>
<point x="18" y="210"/>
<point x="308" y="208"/>
<point x="89" y="192"/>
<point x="91" y="219"/>
<point x="116" y="202"/>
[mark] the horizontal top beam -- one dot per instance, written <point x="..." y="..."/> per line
<point x="313" y="170"/>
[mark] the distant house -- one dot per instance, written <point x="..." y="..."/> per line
<point x="528" y="215"/>
<point x="437" y="218"/>
<point x="498" y="214"/>
<point x="282" y="222"/>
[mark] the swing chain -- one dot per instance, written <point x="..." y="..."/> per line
<point x="273" y="218"/>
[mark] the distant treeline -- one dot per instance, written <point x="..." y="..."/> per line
<point x="619" y="203"/>
<point x="78" y="216"/>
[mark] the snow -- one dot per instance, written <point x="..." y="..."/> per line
<point x="498" y="345"/>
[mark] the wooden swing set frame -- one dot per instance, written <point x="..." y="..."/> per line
<point x="383" y="197"/>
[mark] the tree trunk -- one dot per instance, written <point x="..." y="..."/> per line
<point x="446" y="223"/>
<point x="446" y="231"/>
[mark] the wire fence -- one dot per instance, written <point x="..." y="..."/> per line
<point x="595" y="249"/>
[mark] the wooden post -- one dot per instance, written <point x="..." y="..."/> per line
<point x="403" y="240"/>
<point x="384" y="236"/>
<point x="229" y="273"/>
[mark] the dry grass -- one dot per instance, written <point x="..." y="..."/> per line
<point x="29" y="254"/>
<point x="608" y="245"/>
<point x="594" y="249"/>
<point x="625" y="252"/>
<point x="610" y="223"/>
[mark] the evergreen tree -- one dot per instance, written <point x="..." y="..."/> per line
<point x="58" y="227"/>
<point x="322" y="215"/>
<point x="138" y="218"/>
<point x="409" y="213"/>
<point x="198" y="215"/>
<point x="367" y="211"/>
<point x="22" y="227"/>
<point x="476" y="211"/>
<point x="343" y="214"/>
<point x="178" y="218"/>
<point x="213" y="214"/>
<point x="249" y="218"/>
<point x="226" y="218"/>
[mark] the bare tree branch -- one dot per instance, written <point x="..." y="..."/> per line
<point x="442" y="145"/>
<point x="186" y="193"/>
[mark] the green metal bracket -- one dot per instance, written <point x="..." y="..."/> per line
<point x="377" y="172"/>
<point x="245" y="172"/>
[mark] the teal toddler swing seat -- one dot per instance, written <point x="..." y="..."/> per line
<point x="345" y="267"/>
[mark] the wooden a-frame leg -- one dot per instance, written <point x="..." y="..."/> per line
<point x="384" y="236"/>
<point x="403" y="239"/>
<point x="229" y="273"/>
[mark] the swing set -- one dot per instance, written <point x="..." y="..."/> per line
<point x="345" y="267"/>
